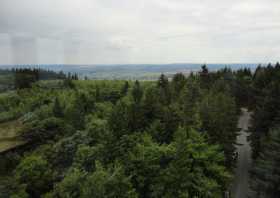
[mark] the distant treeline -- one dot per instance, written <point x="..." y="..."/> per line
<point x="24" y="77"/>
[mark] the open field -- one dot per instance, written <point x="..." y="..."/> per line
<point x="9" y="135"/>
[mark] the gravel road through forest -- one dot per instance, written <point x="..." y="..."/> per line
<point x="240" y="186"/>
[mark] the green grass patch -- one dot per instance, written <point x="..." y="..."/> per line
<point x="9" y="135"/>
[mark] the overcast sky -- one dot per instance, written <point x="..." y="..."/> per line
<point x="139" y="31"/>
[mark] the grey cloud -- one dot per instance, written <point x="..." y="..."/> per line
<point x="131" y="31"/>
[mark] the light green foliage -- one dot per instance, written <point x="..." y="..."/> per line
<point x="144" y="162"/>
<point x="85" y="157"/>
<point x="119" y="119"/>
<point x="35" y="173"/>
<point x="103" y="110"/>
<point x="9" y="103"/>
<point x="101" y="183"/>
<point x="108" y="183"/>
<point x="98" y="130"/>
<point x="70" y="186"/>
<point x="195" y="169"/>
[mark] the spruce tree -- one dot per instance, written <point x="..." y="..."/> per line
<point x="266" y="169"/>
<point x="137" y="92"/>
<point x="125" y="88"/>
<point x="164" y="90"/>
<point x="219" y="120"/>
<point x="57" y="108"/>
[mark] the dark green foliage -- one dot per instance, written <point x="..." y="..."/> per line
<point x="266" y="104"/>
<point x="219" y="120"/>
<point x="8" y="162"/>
<point x="178" y="83"/>
<point x="25" y="77"/>
<point x="65" y="149"/>
<point x="164" y="90"/>
<point x="119" y="119"/>
<point x="125" y="88"/>
<point x="204" y="77"/>
<point x="151" y="104"/>
<point x="137" y="92"/>
<point x="82" y="105"/>
<point x="266" y="168"/>
<point x="34" y="173"/>
<point x="189" y="103"/>
<point x="169" y="122"/>
<point x="113" y="96"/>
<point x="50" y="75"/>
<point x="265" y="139"/>
<point x="40" y="131"/>
<point x="85" y="158"/>
<point x="68" y="83"/>
<point x="126" y="118"/>
<point x="243" y="87"/>
<point x="7" y="79"/>
<point x="57" y="108"/>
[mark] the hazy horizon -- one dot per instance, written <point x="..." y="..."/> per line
<point x="142" y="64"/>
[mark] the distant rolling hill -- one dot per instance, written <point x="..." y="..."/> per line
<point x="130" y="71"/>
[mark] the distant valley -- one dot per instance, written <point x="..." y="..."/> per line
<point x="130" y="71"/>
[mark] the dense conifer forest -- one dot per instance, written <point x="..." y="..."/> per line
<point x="61" y="137"/>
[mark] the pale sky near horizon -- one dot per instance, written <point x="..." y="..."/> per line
<point x="139" y="31"/>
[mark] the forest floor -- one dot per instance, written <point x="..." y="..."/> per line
<point x="9" y="135"/>
<point x="240" y="187"/>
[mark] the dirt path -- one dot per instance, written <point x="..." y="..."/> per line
<point x="240" y="186"/>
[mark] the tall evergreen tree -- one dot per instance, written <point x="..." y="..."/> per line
<point x="137" y="92"/>
<point x="204" y="77"/>
<point x="57" y="108"/>
<point x="125" y="88"/>
<point x="266" y="168"/>
<point x="164" y="90"/>
<point x="219" y="119"/>
<point x="189" y="103"/>
<point x="266" y="86"/>
<point x="177" y="84"/>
